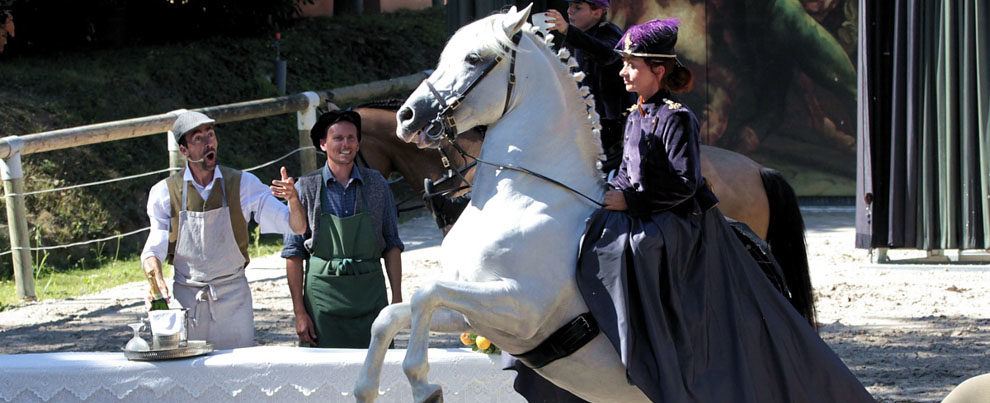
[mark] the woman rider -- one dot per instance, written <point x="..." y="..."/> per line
<point x="688" y="309"/>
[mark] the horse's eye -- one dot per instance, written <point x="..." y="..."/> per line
<point x="472" y="59"/>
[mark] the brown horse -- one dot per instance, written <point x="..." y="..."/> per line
<point x="381" y="150"/>
<point x="757" y="196"/>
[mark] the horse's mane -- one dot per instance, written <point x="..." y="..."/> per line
<point x="497" y="43"/>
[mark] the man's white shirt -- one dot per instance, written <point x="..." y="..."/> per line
<point x="256" y="198"/>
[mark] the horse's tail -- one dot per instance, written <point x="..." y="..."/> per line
<point x="785" y="235"/>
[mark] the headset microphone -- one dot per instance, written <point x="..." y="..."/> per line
<point x="201" y="159"/>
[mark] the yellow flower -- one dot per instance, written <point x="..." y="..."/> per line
<point x="482" y="342"/>
<point x="466" y="339"/>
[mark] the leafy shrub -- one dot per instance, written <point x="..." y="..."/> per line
<point x="64" y="24"/>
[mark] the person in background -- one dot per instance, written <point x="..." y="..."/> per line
<point x="199" y="219"/>
<point x="590" y="38"/>
<point x="334" y="270"/>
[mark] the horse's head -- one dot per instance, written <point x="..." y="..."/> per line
<point x="470" y="86"/>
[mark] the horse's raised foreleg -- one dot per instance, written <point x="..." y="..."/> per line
<point x="393" y="319"/>
<point x="390" y="321"/>
<point x="479" y="302"/>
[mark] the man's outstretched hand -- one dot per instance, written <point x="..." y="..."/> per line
<point x="285" y="188"/>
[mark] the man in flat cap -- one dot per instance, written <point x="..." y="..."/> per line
<point x="334" y="270"/>
<point x="199" y="224"/>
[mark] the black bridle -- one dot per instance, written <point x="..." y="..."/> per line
<point x="444" y="124"/>
<point x="445" y="127"/>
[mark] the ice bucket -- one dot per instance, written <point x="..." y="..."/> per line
<point x="168" y="328"/>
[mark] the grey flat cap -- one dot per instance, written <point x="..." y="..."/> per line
<point x="187" y="121"/>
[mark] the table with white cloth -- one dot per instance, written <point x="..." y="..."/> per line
<point x="274" y="373"/>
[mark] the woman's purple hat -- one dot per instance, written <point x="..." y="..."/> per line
<point x="596" y="3"/>
<point x="654" y="38"/>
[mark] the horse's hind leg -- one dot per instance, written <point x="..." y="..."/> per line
<point x="490" y="302"/>
<point x="393" y="319"/>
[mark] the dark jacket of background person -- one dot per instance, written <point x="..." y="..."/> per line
<point x="593" y="51"/>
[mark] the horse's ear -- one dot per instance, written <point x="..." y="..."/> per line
<point x="514" y="20"/>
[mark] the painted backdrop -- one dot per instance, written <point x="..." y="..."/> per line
<point x="774" y="79"/>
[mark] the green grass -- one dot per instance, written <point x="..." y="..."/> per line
<point x="51" y="283"/>
<point x="89" y="278"/>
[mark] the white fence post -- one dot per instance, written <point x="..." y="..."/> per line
<point x="306" y="118"/>
<point x="13" y="186"/>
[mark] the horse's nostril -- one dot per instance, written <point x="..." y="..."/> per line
<point x="405" y="114"/>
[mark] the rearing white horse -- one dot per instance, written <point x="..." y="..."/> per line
<point x="513" y="251"/>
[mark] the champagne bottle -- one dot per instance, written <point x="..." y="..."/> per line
<point x="158" y="302"/>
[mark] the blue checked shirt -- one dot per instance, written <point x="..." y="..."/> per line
<point x="341" y="200"/>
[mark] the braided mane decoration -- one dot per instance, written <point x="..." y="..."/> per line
<point x="572" y="69"/>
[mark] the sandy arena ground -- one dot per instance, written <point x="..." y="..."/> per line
<point x="909" y="333"/>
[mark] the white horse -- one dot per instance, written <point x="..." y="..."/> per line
<point x="513" y="251"/>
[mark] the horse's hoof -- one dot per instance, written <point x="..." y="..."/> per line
<point x="365" y="395"/>
<point x="366" y="391"/>
<point x="436" y="396"/>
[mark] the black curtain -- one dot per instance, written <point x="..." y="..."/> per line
<point x="923" y="180"/>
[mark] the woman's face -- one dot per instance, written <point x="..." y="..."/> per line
<point x="639" y="77"/>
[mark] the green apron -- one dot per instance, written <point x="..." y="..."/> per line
<point x="344" y="284"/>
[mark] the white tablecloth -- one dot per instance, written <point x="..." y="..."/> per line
<point x="245" y="374"/>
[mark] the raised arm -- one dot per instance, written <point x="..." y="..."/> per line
<point x="286" y="189"/>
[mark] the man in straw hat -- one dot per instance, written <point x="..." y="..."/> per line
<point x="199" y="221"/>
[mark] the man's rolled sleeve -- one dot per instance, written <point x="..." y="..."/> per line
<point x="159" y="214"/>
<point x="256" y="198"/>
<point x="294" y="246"/>
<point x="390" y="225"/>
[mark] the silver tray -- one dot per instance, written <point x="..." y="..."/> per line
<point x="192" y="349"/>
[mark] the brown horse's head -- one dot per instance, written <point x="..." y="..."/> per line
<point x="382" y="151"/>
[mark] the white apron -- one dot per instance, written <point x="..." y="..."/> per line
<point x="209" y="277"/>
